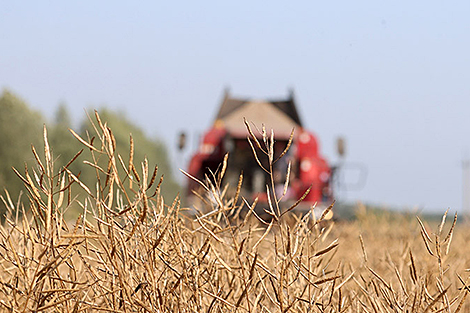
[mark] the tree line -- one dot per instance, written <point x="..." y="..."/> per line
<point x="21" y="127"/>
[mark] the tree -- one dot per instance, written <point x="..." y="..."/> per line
<point x="20" y="127"/>
<point x="64" y="146"/>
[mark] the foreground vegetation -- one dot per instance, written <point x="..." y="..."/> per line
<point x="21" y="126"/>
<point x="132" y="250"/>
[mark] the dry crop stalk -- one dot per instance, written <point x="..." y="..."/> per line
<point x="128" y="251"/>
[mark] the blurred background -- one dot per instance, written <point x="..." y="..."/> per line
<point x="392" y="78"/>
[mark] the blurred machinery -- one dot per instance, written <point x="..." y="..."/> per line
<point x="228" y="134"/>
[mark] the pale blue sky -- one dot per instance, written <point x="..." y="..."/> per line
<point x="393" y="77"/>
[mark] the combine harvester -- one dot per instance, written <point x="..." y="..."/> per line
<point x="228" y="134"/>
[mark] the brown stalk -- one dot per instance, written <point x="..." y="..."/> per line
<point x="255" y="154"/>
<point x="289" y="143"/>
<point x="252" y="135"/>
<point x="364" y="253"/>
<point x="297" y="202"/>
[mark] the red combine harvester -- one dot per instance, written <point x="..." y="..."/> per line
<point x="228" y="134"/>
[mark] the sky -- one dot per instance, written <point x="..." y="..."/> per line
<point x="391" y="77"/>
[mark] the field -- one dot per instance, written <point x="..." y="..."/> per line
<point x="130" y="250"/>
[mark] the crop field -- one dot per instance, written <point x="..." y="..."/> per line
<point x="130" y="250"/>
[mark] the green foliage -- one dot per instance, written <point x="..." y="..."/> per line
<point x="64" y="146"/>
<point x="20" y="127"/>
